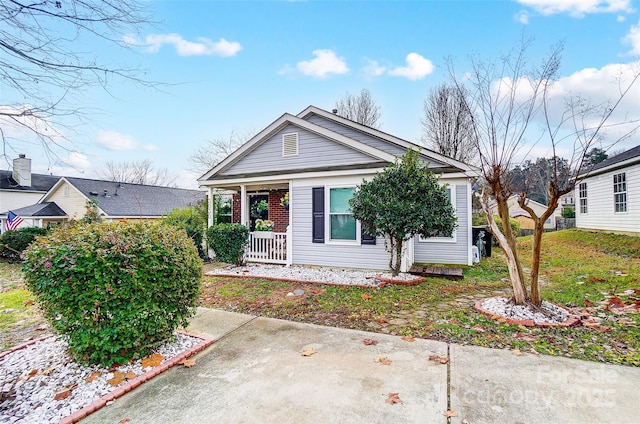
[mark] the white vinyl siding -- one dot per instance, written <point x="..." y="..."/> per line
<point x="601" y="198"/>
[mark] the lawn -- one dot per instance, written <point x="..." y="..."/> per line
<point x="595" y="274"/>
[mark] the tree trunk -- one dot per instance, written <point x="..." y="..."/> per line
<point x="507" y="243"/>
<point x="395" y="270"/>
<point x="535" y="262"/>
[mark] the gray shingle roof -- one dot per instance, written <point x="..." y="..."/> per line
<point x="135" y="200"/>
<point x="39" y="209"/>
<point x="629" y="154"/>
<point x="39" y="182"/>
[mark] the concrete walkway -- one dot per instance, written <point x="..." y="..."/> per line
<point x="255" y="373"/>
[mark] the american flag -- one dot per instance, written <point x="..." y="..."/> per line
<point x="13" y="221"/>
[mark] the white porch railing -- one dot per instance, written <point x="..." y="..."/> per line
<point x="267" y="248"/>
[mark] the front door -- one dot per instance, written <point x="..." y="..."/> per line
<point x="258" y="209"/>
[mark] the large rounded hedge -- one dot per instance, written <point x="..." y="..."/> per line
<point x="117" y="290"/>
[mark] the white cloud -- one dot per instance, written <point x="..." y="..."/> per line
<point x="633" y="38"/>
<point x="77" y="160"/>
<point x="325" y="63"/>
<point x="373" y="68"/>
<point x="578" y="8"/>
<point x="113" y="140"/>
<point x="522" y="17"/>
<point x="417" y="68"/>
<point x="202" y="47"/>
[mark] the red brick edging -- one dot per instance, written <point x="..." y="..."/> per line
<point x="413" y="282"/>
<point x="129" y="385"/>
<point x="292" y="280"/>
<point x="569" y="322"/>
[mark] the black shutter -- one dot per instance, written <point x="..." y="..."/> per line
<point x="318" y="214"/>
<point x="366" y="238"/>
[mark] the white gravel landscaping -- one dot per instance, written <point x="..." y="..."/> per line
<point x="550" y="313"/>
<point x="311" y="274"/>
<point x="31" y="377"/>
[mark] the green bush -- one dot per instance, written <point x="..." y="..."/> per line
<point x="568" y="213"/>
<point x="13" y="242"/>
<point x="228" y="241"/>
<point x="192" y="221"/>
<point x="117" y="290"/>
<point x="515" y="225"/>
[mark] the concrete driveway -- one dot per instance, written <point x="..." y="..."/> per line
<point x="255" y="373"/>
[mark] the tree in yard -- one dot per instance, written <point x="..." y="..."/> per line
<point x="505" y="99"/>
<point x="215" y="150"/>
<point x="595" y="155"/>
<point x="401" y="202"/>
<point x="532" y="176"/>
<point x="447" y="125"/>
<point x="44" y="66"/>
<point x="137" y="172"/>
<point x="362" y="108"/>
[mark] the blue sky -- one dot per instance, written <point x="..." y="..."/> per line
<point x="240" y="65"/>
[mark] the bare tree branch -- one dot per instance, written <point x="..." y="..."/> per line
<point x="137" y="172"/>
<point x="362" y="108"/>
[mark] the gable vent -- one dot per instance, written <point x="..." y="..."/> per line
<point x="290" y="144"/>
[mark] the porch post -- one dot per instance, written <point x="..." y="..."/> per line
<point x="210" y="212"/>
<point x="243" y="206"/>
<point x="290" y="228"/>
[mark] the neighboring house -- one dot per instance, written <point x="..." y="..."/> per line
<point x="67" y="199"/>
<point x="568" y="201"/>
<point x="319" y="158"/>
<point x="523" y="217"/>
<point x="20" y="188"/>
<point x="608" y="195"/>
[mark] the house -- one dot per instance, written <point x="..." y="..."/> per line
<point x="319" y="158"/>
<point x="20" y="188"/>
<point x="68" y="197"/>
<point x="608" y="195"/>
<point x="523" y="217"/>
<point x="568" y="201"/>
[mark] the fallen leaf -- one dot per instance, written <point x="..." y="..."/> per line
<point x="381" y="321"/>
<point x="616" y="302"/>
<point x="439" y="359"/>
<point x="365" y="296"/>
<point x="408" y="338"/>
<point x="525" y="337"/>
<point x="370" y="342"/>
<point x="308" y="351"/>
<point x="117" y="379"/>
<point x="516" y="352"/>
<point x="124" y="421"/>
<point x="28" y="302"/>
<point x="393" y="398"/>
<point x="588" y="303"/>
<point x="383" y="360"/>
<point x="32" y="373"/>
<point x="450" y="413"/>
<point x="478" y="328"/>
<point x="93" y="376"/>
<point x="188" y="363"/>
<point x="152" y="361"/>
<point x="535" y="352"/>
<point x="62" y="394"/>
<point x="47" y="371"/>
<point x="130" y="375"/>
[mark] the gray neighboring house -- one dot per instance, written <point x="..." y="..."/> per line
<point x="608" y="195"/>
<point x="318" y="158"/>
<point x="68" y="197"/>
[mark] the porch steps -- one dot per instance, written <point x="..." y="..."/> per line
<point x="436" y="271"/>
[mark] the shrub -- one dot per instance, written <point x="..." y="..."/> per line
<point x="13" y="242"/>
<point x="568" y="213"/>
<point x="192" y="222"/>
<point x="515" y="225"/>
<point x="117" y="290"/>
<point x="228" y="241"/>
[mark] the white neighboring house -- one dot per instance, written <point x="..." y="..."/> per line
<point x="20" y="188"/>
<point x="608" y="196"/>
<point x="523" y="217"/>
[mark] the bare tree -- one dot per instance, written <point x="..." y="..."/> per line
<point x="362" y="108"/>
<point x="44" y="66"/>
<point x="137" y="172"/>
<point x="447" y="125"/>
<point x="213" y="151"/>
<point x="505" y="98"/>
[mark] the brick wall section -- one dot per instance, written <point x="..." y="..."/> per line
<point x="235" y="209"/>
<point x="278" y="214"/>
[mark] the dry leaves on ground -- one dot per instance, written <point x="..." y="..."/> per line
<point x="393" y="398"/>
<point x="408" y="338"/>
<point x="439" y="359"/>
<point x="93" y="376"/>
<point x="383" y="360"/>
<point x="187" y="363"/>
<point x="152" y="361"/>
<point x="370" y="342"/>
<point x="308" y="351"/>
<point x="450" y="413"/>
<point x="120" y="377"/>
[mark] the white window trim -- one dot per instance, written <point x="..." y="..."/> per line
<point x="625" y="192"/>
<point x="585" y="198"/>
<point x="327" y="219"/>
<point x="454" y="236"/>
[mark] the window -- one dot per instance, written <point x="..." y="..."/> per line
<point x="342" y="224"/>
<point x="223" y="209"/>
<point x="290" y="144"/>
<point x="439" y="238"/>
<point x="582" y="190"/>
<point x="620" y="192"/>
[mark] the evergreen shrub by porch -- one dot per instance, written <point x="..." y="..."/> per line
<point x="13" y="242"/>
<point x="117" y="290"/>
<point x="228" y="241"/>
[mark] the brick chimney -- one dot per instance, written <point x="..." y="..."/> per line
<point x="22" y="170"/>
